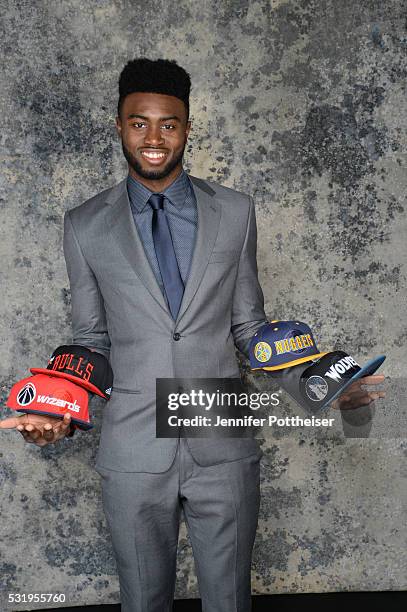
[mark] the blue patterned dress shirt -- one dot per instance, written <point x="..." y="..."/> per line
<point x="182" y="214"/>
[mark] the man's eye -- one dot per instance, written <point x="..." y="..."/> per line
<point x="138" y="124"/>
<point x="169" y="126"/>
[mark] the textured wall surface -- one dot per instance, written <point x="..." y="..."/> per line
<point x="299" y="103"/>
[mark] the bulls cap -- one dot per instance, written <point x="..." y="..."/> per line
<point x="77" y="363"/>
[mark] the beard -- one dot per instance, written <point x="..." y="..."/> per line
<point x="152" y="174"/>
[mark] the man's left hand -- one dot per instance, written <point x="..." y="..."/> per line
<point x="356" y="395"/>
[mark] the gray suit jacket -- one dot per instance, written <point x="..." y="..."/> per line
<point x="119" y="309"/>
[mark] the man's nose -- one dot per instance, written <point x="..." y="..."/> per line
<point x="154" y="135"/>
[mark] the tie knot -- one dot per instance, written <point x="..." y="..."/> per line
<point x="156" y="201"/>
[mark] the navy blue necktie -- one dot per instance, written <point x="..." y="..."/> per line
<point x="164" y="249"/>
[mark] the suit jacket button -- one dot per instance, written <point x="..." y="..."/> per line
<point x="176" y="336"/>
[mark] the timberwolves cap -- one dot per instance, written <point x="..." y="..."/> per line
<point x="282" y="344"/>
<point x="86" y="368"/>
<point x="314" y="386"/>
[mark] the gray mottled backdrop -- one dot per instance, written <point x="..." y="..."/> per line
<point x="299" y="103"/>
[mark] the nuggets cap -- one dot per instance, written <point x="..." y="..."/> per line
<point x="282" y="344"/>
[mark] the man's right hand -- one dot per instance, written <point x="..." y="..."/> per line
<point x="39" y="429"/>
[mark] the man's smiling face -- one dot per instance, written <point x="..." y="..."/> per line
<point x="154" y="131"/>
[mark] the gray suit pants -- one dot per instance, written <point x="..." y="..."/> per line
<point x="220" y="504"/>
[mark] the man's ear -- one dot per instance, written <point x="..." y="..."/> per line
<point x="188" y="128"/>
<point x="118" y="126"/>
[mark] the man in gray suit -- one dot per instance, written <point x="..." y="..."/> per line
<point x="163" y="277"/>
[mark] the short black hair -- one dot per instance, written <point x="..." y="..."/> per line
<point x="154" y="76"/>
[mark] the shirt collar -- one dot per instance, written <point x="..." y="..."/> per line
<point x="139" y="194"/>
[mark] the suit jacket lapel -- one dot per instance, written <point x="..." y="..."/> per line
<point x="120" y="222"/>
<point x="209" y="210"/>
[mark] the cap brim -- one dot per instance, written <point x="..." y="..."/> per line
<point x="291" y="363"/>
<point x="369" y="368"/>
<point x="82" y="383"/>
<point x="82" y="424"/>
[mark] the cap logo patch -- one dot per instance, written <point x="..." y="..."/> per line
<point x="262" y="351"/>
<point x="316" y="388"/>
<point x="26" y="395"/>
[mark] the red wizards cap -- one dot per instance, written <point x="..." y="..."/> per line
<point x="86" y="368"/>
<point x="52" y="396"/>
